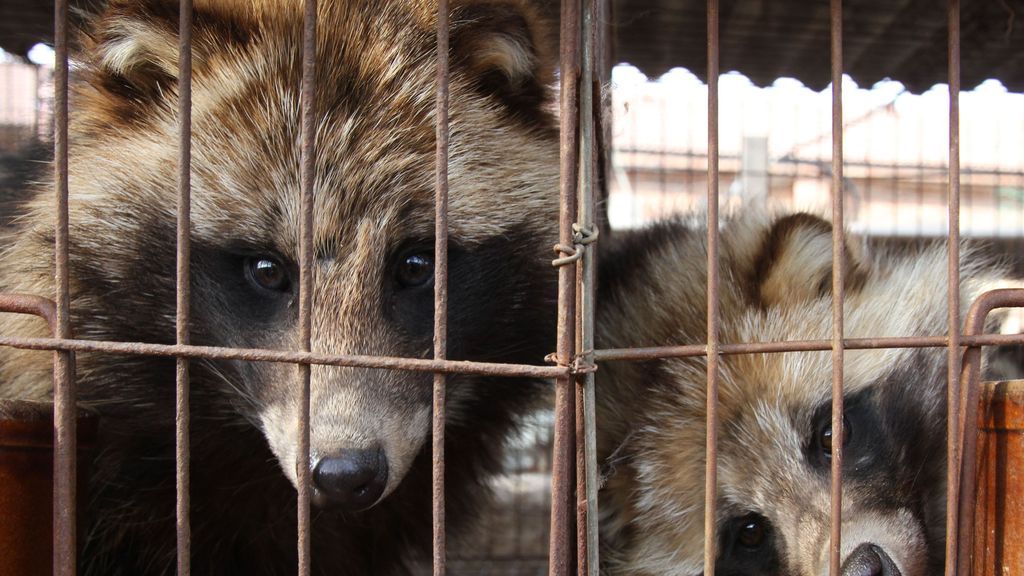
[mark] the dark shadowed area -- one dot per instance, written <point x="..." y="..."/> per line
<point x="903" y="40"/>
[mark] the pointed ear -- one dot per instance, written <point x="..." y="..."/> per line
<point x="507" y="49"/>
<point x="131" y="47"/>
<point x="795" y="263"/>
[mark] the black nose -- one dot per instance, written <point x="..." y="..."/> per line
<point x="869" y="560"/>
<point x="352" y="479"/>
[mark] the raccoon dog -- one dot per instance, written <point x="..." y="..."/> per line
<point x="373" y="278"/>
<point x="773" y="499"/>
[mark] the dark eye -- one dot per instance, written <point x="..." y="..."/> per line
<point x="751" y="533"/>
<point x="825" y="436"/>
<point x="747" y="546"/>
<point x="416" y="269"/>
<point x="267" y="273"/>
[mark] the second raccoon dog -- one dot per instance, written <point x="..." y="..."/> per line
<point x="773" y="499"/>
<point x="373" y="271"/>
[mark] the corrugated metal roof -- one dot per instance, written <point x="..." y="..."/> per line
<point x="903" y="40"/>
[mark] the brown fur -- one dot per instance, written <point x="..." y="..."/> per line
<point x="374" y="201"/>
<point x="776" y="286"/>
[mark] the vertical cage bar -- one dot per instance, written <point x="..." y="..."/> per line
<point x="559" y="555"/>
<point x="711" y="446"/>
<point x="603" y="62"/>
<point x="954" y="439"/>
<point x="838" y="293"/>
<point x="586" y="426"/>
<point x="182" y="417"/>
<point x="306" y="264"/>
<point x="580" y="433"/>
<point x="64" y="484"/>
<point x="440" y="285"/>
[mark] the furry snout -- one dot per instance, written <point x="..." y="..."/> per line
<point x="880" y="544"/>
<point x="360" y="451"/>
<point x="869" y="560"/>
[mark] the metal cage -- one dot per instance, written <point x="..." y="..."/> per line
<point x="573" y="534"/>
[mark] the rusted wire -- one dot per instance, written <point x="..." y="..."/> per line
<point x="288" y="357"/>
<point x="182" y="417"/>
<point x="306" y="255"/>
<point x="838" y="292"/>
<point x="586" y="429"/>
<point x="711" y="446"/>
<point x="954" y="441"/>
<point x="967" y="418"/>
<point x="28" y="304"/>
<point x="691" y="350"/>
<point x="440" y="286"/>
<point x="479" y="368"/>
<point x="560" y="556"/>
<point x="582" y="236"/>
<point x="64" y="393"/>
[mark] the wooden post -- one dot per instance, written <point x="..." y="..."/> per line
<point x="999" y="512"/>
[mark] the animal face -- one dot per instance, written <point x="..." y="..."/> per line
<point x="373" y="210"/>
<point x="774" y="466"/>
<point x="775" y="413"/>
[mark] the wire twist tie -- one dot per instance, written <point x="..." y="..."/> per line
<point x="581" y="237"/>
<point x="583" y="363"/>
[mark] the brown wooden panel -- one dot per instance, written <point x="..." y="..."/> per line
<point x="999" y="516"/>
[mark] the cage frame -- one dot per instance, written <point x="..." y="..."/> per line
<point x="583" y="51"/>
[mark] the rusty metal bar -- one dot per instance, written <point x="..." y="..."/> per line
<point x="954" y="440"/>
<point x="182" y="417"/>
<point x="560" y="556"/>
<point x="580" y="433"/>
<point x="967" y="418"/>
<point x="586" y="403"/>
<point x="604" y="61"/>
<point x="28" y="304"/>
<point x="838" y="293"/>
<point x="289" y="357"/>
<point x="992" y="339"/>
<point x="440" y="285"/>
<point x="711" y="446"/>
<point x="467" y="367"/>
<point x="32" y="306"/>
<point x="686" y="351"/>
<point x="64" y="393"/>
<point x="306" y="265"/>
